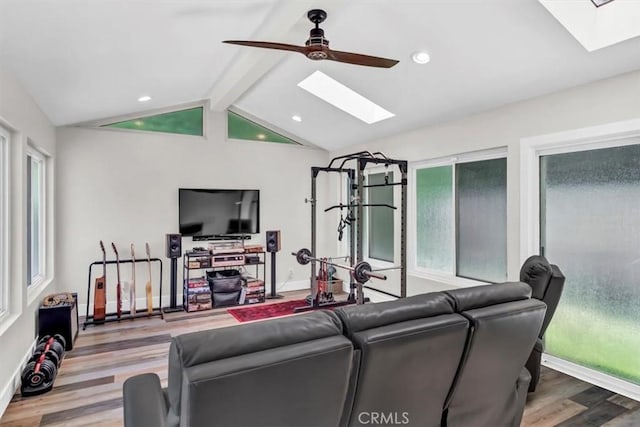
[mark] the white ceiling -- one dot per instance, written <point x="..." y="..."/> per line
<point x="86" y="60"/>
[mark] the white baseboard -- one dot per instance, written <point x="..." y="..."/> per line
<point x="10" y="389"/>
<point x="591" y="376"/>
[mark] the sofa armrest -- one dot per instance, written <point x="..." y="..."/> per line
<point x="144" y="402"/>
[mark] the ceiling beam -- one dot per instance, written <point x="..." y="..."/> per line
<point x="287" y="20"/>
<point x="250" y="64"/>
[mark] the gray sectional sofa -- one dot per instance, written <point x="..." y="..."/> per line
<point x="453" y="358"/>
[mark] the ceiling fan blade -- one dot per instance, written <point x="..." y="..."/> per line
<point x="268" y="45"/>
<point x="358" y="59"/>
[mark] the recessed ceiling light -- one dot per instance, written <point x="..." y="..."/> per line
<point x="421" y="57"/>
<point x="296" y="118"/>
<point x="344" y="98"/>
<point x="144" y="98"/>
<point x="261" y="136"/>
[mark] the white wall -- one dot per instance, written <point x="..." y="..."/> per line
<point x="122" y="187"/>
<point x="18" y="330"/>
<point x="605" y="101"/>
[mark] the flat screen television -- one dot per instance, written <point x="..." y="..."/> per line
<point x="210" y="213"/>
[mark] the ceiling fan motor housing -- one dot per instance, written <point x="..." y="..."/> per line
<point x="317" y="40"/>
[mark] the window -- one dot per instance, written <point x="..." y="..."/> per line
<point x="461" y="218"/>
<point x="184" y="122"/>
<point x="4" y="223"/>
<point x="380" y="218"/>
<point x="36" y="191"/>
<point x="590" y="227"/>
<point x="434" y="211"/>
<point x="239" y="127"/>
<point x="481" y="220"/>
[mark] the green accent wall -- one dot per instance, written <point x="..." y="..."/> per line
<point x="239" y="127"/>
<point x="184" y="122"/>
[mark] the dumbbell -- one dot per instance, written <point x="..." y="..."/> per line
<point x="57" y="337"/>
<point x="38" y="372"/>
<point x="52" y="342"/>
<point x="52" y="348"/>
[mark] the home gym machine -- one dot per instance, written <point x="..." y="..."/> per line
<point x="361" y="271"/>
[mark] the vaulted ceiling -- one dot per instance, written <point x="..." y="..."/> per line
<point x="88" y="60"/>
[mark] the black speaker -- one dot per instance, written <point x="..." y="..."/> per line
<point x="273" y="241"/>
<point x="60" y="319"/>
<point x="174" y="245"/>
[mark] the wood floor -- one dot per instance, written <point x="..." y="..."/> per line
<point x="88" y="389"/>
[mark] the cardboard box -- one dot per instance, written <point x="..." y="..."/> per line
<point x="334" y="286"/>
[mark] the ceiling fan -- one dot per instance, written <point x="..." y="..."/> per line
<point x="317" y="47"/>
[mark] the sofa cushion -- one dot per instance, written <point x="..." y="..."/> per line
<point x="485" y="391"/>
<point x="361" y="317"/>
<point x="206" y="346"/>
<point x="536" y="272"/>
<point x="302" y="384"/>
<point x="482" y="296"/>
<point x="214" y="344"/>
<point x="407" y="369"/>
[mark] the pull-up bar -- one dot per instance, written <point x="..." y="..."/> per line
<point x="341" y="206"/>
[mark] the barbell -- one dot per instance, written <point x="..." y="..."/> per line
<point x="361" y="271"/>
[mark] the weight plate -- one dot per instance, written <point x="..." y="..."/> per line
<point x="49" y="369"/>
<point x="53" y="356"/>
<point x="57" y="348"/>
<point x="27" y="371"/>
<point x="35" y="356"/>
<point x="360" y="272"/>
<point x="303" y="256"/>
<point x="61" y="340"/>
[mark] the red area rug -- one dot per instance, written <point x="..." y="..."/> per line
<point x="265" y="311"/>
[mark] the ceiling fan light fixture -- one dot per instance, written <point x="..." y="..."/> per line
<point x="421" y="57"/>
<point x="317" y="55"/>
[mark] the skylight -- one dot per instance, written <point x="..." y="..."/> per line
<point x="597" y="27"/>
<point x="344" y="98"/>
<point x="599" y="3"/>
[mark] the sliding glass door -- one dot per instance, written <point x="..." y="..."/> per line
<point x="590" y="228"/>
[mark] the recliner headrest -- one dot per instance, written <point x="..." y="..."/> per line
<point x="536" y="272"/>
<point x="206" y="346"/>
<point x="362" y="317"/>
<point x="483" y="296"/>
